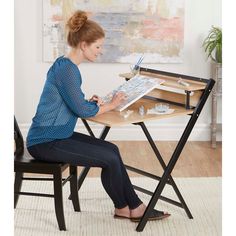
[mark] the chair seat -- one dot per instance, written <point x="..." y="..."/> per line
<point x="21" y="163"/>
<point x="27" y="158"/>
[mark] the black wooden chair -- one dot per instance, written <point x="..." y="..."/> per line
<point x="24" y="163"/>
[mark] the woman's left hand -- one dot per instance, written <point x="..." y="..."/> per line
<point x="97" y="99"/>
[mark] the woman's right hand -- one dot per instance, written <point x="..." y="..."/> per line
<point x="118" y="98"/>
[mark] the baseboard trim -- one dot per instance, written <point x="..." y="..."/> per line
<point x="161" y="132"/>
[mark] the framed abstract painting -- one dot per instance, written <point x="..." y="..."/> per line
<point x="154" y="28"/>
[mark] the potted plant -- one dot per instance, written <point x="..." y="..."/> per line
<point x="213" y="44"/>
<point x="213" y="47"/>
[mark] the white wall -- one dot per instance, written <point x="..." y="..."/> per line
<point x="30" y="71"/>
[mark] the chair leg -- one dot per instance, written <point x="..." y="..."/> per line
<point x="58" y="199"/>
<point x="17" y="186"/>
<point x="74" y="188"/>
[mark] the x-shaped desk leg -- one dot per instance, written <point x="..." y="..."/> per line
<point x="175" y="156"/>
<point x="163" y="180"/>
<point x="166" y="178"/>
<point x="170" y="166"/>
<point x="169" y="178"/>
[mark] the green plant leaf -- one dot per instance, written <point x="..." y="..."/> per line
<point x="213" y="44"/>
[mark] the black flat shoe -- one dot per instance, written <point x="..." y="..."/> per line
<point x="154" y="215"/>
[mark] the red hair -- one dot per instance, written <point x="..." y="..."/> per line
<point x="82" y="29"/>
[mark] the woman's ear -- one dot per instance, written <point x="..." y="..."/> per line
<point x="83" y="45"/>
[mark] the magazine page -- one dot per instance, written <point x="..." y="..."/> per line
<point x="134" y="89"/>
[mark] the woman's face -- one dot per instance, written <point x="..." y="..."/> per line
<point x="93" y="50"/>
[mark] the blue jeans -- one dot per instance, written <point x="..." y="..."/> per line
<point x="87" y="151"/>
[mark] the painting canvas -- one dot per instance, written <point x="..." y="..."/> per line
<point x="154" y="28"/>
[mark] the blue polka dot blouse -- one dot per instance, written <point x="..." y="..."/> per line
<point x="61" y="103"/>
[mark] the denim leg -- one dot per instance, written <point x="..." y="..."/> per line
<point x="129" y="192"/>
<point x="87" y="154"/>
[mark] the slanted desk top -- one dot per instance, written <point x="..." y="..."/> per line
<point x="173" y="91"/>
<point x="183" y="104"/>
<point x="114" y="118"/>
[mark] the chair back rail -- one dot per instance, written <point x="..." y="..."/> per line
<point x="19" y="141"/>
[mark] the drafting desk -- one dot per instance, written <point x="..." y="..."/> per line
<point x="190" y="102"/>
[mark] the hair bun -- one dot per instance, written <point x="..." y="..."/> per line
<point x="77" y="21"/>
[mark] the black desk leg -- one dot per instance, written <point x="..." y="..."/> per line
<point x="175" y="155"/>
<point x="166" y="174"/>
<point x="171" y="180"/>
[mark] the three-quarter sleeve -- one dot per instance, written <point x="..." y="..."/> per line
<point x="68" y="81"/>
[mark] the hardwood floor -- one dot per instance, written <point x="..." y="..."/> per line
<point x="197" y="159"/>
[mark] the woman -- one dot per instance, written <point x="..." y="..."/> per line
<point x="51" y="136"/>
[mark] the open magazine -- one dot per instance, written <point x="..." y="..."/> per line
<point x="134" y="89"/>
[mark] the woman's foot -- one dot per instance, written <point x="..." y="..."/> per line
<point x="122" y="213"/>
<point x="137" y="213"/>
<point x="153" y="215"/>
